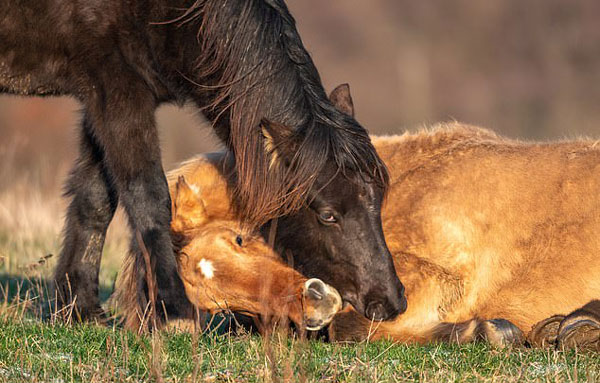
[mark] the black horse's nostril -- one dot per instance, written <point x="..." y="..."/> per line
<point x="397" y="306"/>
<point x="376" y="311"/>
<point x="403" y="304"/>
<point x="397" y="309"/>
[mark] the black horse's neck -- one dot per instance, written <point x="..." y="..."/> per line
<point x="250" y="64"/>
<point x="254" y="65"/>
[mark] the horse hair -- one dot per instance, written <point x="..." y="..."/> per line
<point x="263" y="33"/>
<point x="243" y="64"/>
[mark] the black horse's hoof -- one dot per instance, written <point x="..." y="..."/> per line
<point x="72" y="313"/>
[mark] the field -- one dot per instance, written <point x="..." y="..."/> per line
<point x="34" y="351"/>
<point x="523" y="69"/>
<point x="35" y="347"/>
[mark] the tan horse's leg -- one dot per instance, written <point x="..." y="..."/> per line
<point x="350" y="326"/>
<point x="498" y="332"/>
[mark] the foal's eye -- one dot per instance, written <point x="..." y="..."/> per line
<point x="239" y="240"/>
<point x="327" y="217"/>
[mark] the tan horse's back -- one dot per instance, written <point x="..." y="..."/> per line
<point x="482" y="226"/>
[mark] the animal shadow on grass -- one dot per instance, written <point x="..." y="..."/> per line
<point x="31" y="295"/>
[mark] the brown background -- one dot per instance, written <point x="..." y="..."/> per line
<point x="525" y="68"/>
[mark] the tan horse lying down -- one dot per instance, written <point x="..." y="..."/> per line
<point x="227" y="267"/>
<point x="489" y="236"/>
<point x="485" y="227"/>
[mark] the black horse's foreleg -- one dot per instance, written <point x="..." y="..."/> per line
<point x="125" y="126"/>
<point x="91" y="209"/>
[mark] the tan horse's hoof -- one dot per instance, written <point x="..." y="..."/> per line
<point x="321" y="303"/>
<point x="579" y="331"/>
<point x="501" y="333"/>
<point x="544" y="333"/>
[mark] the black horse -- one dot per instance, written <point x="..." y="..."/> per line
<point x="243" y="64"/>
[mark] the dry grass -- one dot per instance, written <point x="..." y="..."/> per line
<point x="31" y="218"/>
<point x="33" y="351"/>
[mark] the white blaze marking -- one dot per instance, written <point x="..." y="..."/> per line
<point x="195" y="188"/>
<point x="206" y="268"/>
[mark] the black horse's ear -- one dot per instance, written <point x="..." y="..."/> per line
<point x="281" y="142"/>
<point x="342" y="100"/>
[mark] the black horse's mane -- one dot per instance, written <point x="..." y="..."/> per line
<point x="254" y="66"/>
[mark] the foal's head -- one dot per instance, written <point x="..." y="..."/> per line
<point x="224" y="266"/>
<point x="212" y="251"/>
<point x="337" y="235"/>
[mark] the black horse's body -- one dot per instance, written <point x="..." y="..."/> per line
<point x="241" y="62"/>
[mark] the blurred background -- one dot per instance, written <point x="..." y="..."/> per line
<point x="527" y="69"/>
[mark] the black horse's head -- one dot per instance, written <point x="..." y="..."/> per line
<point x="337" y="234"/>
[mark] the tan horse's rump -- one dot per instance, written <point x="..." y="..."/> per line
<point x="482" y="227"/>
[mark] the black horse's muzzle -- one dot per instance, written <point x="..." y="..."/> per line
<point x="381" y="307"/>
<point x="382" y="311"/>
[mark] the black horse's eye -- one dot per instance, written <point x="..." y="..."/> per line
<point x="239" y="240"/>
<point x="327" y="217"/>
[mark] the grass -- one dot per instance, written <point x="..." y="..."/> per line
<point x="34" y="347"/>
<point x="34" y="351"/>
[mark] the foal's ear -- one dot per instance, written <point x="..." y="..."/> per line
<point x="188" y="208"/>
<point x="281" y="142"/>
<point x="342" y="100"/>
